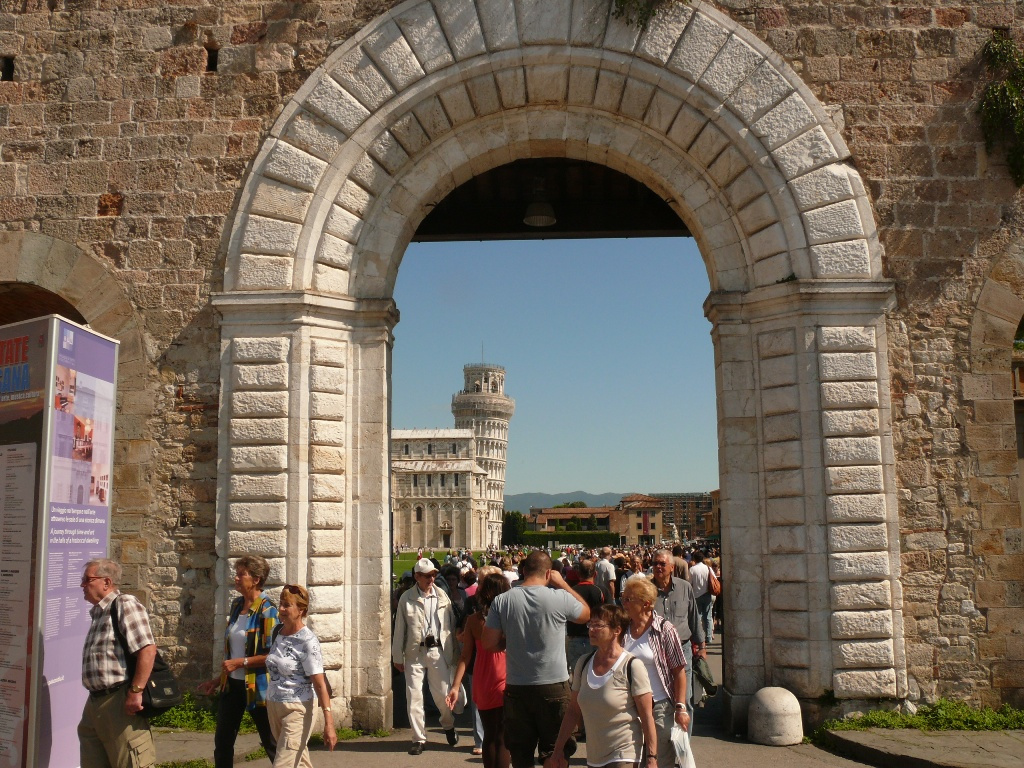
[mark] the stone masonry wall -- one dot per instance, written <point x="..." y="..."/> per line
<point x="115" y="138"/>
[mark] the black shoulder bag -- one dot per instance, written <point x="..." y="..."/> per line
<point x="161" y="691"/>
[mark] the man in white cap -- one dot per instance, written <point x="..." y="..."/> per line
<point x="423" y="643"/>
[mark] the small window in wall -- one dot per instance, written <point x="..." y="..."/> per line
<point x="212" y="57"/>
<point x="415" y="481"/>
<point x="429" y="478"/>
<point x="405" y="449"/>
<point x="419" y="514"/>
<point x="6" y="68"/>
<point x="442" y="481"/>
<point x="639" y="526"/>
<point x="430" y="448"/>
<point x="456" y="480"/>
<point x="455" y="448"/>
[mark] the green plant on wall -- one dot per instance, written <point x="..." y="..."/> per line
<point x="637" y="12"/>
<point x="1002" y="103"/>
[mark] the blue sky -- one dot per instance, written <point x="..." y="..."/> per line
<point x="607" y="350"/>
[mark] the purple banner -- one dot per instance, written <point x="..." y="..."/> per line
<point x="78" y="525"/>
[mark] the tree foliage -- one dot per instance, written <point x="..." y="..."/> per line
<point x="1002" y="103"/>
<point x="637" y="13"/>
<point x="571" y="505"/>
<point x="513" y="526"/>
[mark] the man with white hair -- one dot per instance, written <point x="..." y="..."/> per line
<point x="112" y="733"/>
<point x="604" y="578"/>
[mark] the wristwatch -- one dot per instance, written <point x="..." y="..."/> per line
<point x="680" y="705"/>
<point x="137" y="688"/>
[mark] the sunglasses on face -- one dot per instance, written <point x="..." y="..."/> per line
<point x="87" y="579"/>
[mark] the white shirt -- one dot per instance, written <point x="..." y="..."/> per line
<point x="641" y="648"/>
<point x="236" y="642"/>
<point x="699" y="579"/>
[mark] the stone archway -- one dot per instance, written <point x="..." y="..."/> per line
<point x="701" y="111"/>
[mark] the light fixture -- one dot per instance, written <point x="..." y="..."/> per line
<point x="539" y="213"/>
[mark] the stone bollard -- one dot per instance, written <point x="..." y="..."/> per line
<point x="774" y="718"/>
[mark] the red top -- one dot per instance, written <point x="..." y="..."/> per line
<point x="488" y="678"/>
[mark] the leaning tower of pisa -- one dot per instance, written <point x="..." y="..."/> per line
<point x="483" y="407"/>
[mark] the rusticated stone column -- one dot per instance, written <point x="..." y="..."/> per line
<point x="303" y="480"/>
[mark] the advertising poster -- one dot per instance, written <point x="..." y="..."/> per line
<point x="80" y="453"/>
<point x="23" y="381"/>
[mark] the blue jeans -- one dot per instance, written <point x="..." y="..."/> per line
<point x="688" y="655"/>
<point x="704" y="604"/>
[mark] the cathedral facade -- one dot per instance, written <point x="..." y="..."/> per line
<point x="448" y="485"/>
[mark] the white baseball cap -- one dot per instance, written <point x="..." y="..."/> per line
<point x="423" y="565"/>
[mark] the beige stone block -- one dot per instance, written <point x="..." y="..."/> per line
<point x="794" y="625"/>
<point x="324" y="405"/>
<point x="775" y="269"/>
<point x="258" y="458"/>
<point x="511" y="87"/>
<point x="734" y="62"/>
<point x="269" y="487"/>
<point x="332" y="433"/>
<point x="778" y="371"/>
<point x="825" y="185"/>
<point x="359" y="76"/>
<point x="780" y="400"/>
<point x="862" y="537"/>
<point x="327" y="379"/>
<point x="856" y="508"/>
<point x="847" y="366"/>
<point x="327" y="487"/>
<point x="544" y="22"/>
<point x="687" y="126"/>
<point x="785" y="567"/>
<point x="328" y="352"/>
<point x="855" y="422"/>
<point x="498" y="20"/>
<point x="785" y="121"/>
<point x="327" y="459"/>
<point x="765" y="87"/>
<point x="841" y="480"/>
<point x="835" y="222"/>
<point x="260" y="515"/>
<point x="354" y="198"/>
<point x="784" y="483"/>
<point x="865" y="684"/>
<point x="636" y="96"/>
<point x="327" y="514"/>
<point x="663" y="32"/>
<point x="806" y="152"/>
<point x="263" y="273"/>
<point x="736" y="377"/>
<point x="327" y="599"/>
<point x="861" y="596"/>
<point x="858" y="566"/>
<point x="483" y="92"/>
<point x="784" y="455"/>
<point x="782" y="427"/>
<point x="294" y="167"/>
<point x="327" y="627"/>
<point x="260" y="350"/>
<point x="861" y="624"/>
<point x="758" y="214"/>
<point x="700" y="44"/>
<point x="788" y="597"/>
<point x="927" y="541"/>
<point x="791" y="653"/>
<point x="788" y="538"/>
<point x="271" y="376"/>
<point x="858" y="654"/>
<point x="845" y="451"/>
<point x="768" y="242"/>
<point x="326" y="542"/>
<point x="259" y="404"/>
<point x="270" y="236"/>
<point x="776" y="343"/>
<point x="280" y="201"/>
<point x="393" y="53"/>
<point x="457" y="104"/>
<point x="849" y="394"/>
<point x="343" y="224"/>
<point x="266" y="543"/>
<point x="461" y="27"/>
<point x="846" y="338"/>
<point x="785" y="511"/>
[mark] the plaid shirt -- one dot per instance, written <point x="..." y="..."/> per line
<point x="259" y="630"/>
<point x="668" y="651"/>
<point x="103" y="662"/>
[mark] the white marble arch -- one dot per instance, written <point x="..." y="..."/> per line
<point x="432" y="93"/>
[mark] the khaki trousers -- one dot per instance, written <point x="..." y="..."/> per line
<point x="291" y="723"/>
<point x="108" y="738"/>
<point x="431" y="665"/>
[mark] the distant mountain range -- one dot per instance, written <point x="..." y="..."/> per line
<point x="521" y="502"/>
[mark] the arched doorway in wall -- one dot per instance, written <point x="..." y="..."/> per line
<point x="701" y="113"/>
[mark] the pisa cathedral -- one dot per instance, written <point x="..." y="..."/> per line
<point x="448" y="485"/>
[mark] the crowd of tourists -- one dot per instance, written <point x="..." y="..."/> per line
<point x="593" y="644"/>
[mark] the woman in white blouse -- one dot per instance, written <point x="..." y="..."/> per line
<point x="296" y="670"/>
<point x="611" y="692"/>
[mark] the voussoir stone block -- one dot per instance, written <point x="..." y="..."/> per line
<point x="294" y="167"/>
<point x="864" y="684"/>
<point x="270" y="236"/>
<point x="663" y="32"/>
<point x="831" y="223"/>
<point x="830" y="184"/>
<point x="858" y="566"/>
<point x="805" y="153"/>
<point x="861" y="537"/>
<point x="259" y="350"/>
<point x="701" y="42"/>
<point x="850" y="258"/>
<point x="730" y="67"/>
<point x="461" y="27"/>
<point x="393" y="54"/>
<point x="786" y="120"/>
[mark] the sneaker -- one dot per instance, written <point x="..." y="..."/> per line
<point x="453" y="737"/>
<point x="417" y="748"/>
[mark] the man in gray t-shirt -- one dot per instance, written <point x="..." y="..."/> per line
<point x="528" y="622"/>
<point x="605" y="576"/>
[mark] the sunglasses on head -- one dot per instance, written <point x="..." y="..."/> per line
<point x="295" y="590"/>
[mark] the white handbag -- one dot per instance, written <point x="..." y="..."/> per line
<point x="681" y="744"/>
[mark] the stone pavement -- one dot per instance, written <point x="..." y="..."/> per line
<point x="713" y="747"/>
